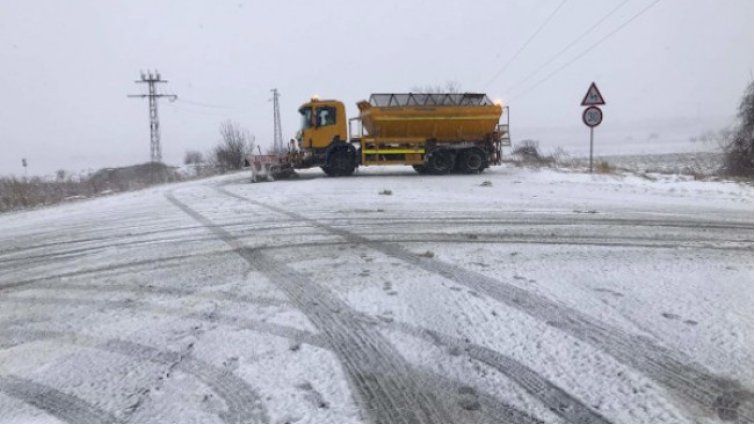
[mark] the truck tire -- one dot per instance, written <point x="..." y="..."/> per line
<point x="472" y="161"/>
<point x="421" y="169"/>
<point x="341" y="162"/>
<point x="440" y="162"/>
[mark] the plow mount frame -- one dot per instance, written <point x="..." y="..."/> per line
<point x="270" y="167"/>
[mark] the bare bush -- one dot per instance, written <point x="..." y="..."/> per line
<point x="193" y="157"/>
<point x="527" y="151"/>
<point x="720" y="138"/>
<point x="739" y="158"/>
<point x="235" y="145"/>
<point x="739" y="152"/>
<point x="428" y="254"/>
<point x="561" y="157"/>
<point x="195" y="160"/>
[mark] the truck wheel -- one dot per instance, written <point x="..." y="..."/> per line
<point x="472" y="161"/>
<point x="341" y="162"/>
<point x="421" y="169"/>
<point x="440" y="162"/>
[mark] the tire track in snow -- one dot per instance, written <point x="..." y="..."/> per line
<point x="526" y="219"/>
<point x="482" y="407"/>
<point x="259" y="326"/>
<point x="61" y="405"/>
<point x="382" y="379"/>
<point x="243" y="403"/>
<point x="552" y="396"/>
<point x="725" y="398"/>
<point x="69" y="254"/>
<point x="492" y="409"/>
<point x="114" y="239"/>
<point x="162" y="290"/>
<point x="520" y="239"/>
<point x="112" y="267"/>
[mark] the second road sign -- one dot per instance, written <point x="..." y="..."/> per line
<point x="592" y="116"/>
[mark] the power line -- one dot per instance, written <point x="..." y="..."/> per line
<point x="568" y="47"/>
<point x="201" y="104"/>
<point x="526" y="43"/>
<point x="154" y="121"/>
<point x="182" y="108"/>
<point x="590" y="48"/>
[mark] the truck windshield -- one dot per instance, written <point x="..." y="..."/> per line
<point x="306" y="117"/>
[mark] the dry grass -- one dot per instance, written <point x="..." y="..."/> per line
<point x="604" y="167"/>
<point x="22" y="194"/>
<point x="16" y="194"/>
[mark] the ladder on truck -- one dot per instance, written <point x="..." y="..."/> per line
<point x="504" y="129"/>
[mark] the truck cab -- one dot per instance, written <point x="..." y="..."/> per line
<point x="322" y="122"/>
<point x="323" y="138"/>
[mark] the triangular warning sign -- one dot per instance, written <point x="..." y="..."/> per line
<point x="593" y="97"/>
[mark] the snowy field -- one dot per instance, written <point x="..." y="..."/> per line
<point x="515" y="296"/>
<point x="696" y="163"/>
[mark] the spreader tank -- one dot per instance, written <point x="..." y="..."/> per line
<point x="441" y="117"/>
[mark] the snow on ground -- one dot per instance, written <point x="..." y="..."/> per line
<point x="517" y="295"/>
<point x="696" y="163"/>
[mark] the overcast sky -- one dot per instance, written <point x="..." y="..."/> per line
<point x="674" y="71"/>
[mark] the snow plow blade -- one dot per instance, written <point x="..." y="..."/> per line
<point x="270" y="167"/>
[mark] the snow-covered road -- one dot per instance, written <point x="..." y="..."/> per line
<point x="515" y="296"/>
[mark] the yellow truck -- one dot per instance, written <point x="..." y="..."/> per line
<point x="434" y="133"/>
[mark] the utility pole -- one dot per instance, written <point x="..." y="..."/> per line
<point x="277" y="145"/>
<point x="154" y="121"/>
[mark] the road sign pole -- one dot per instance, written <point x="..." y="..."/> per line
<point x="591" y="148"/>
<point x="592" y="117"/>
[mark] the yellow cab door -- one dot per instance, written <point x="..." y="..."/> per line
<point x="327" y="122"/>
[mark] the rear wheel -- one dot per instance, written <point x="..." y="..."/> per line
<point x="440" y="162"/>
<point x="472" y="161"/>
